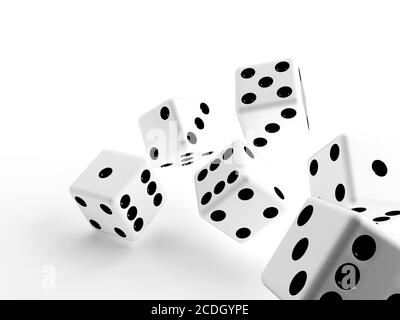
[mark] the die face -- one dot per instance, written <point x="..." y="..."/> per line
<point x="230" y="162"/>
<point x="278" y="115"/>
<point x="330" y="175"/>
<point x="367" y="268"/>
<point x="267" y="85"/>
<point x="376" y="170"/>
<point x="233" y="195"/>
<point x="358" y="173"/>
<point x="107" y="217"/>
<point x="177" y="128"/>
<point x="195" y="117"/>
<point x="140" y="202"/>
<point x="313" y="242"/>
<point x="162" y="134"/>
<point x="108" y="174"/>
<point x="120" y="206"/>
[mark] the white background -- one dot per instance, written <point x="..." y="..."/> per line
<point x="76" y="75"/>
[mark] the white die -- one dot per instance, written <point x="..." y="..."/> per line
<point x="271" y="107"/>
<point x="118" y="194"/>
<point x="360" y="173"/>
<point x="238" y="193"/>
<point x="333" y="253"/>
<point x="177" y="132"/>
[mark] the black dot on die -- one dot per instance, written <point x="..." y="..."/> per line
<point x="340" y="192"/>
<point x="164" y="113"/>
<point x="359" y="209"/>
<point x="219" y="187"/>
<point x="284" y="92"/>
<point x="288" y="113"/>
<point x="166" y="165"/>
<point x="392" y="213"/>
<point x="125" y="201"/>
<point x="344" y="272"/>
<point x="331" y="296"/>
<point x="227" y="154"/>
<point x="249" y="152"/>
<point x="132" y="213"/>
<point x="249" y="98"/>
<point x="298" y="282"/>
<point x="215" y="164"/>
<point x="334" y="152"/>
<point x="279" y="193"/>
<point x="243" y="233"/>
<point x="120" y="232"/>
<point x="265" y="82"/>
<point x="313" y="167"/>
<point x="80" y="201"/>
<point x="207" y="153"/>
<point x="151" y="188"/>
<point x="364" y="247"/>
<point x="204" y="108"/>
<point x="206" y="198"/>
<point x="187" y="163"/>
<point x="305" y="215"/>
<point x="145" y="176"/>
<point x="95" y="224"/>
<point x="381" y="219"/>
<point x="218" y="215"/>
<point x="300" y="249"/>
<point x="106" y="172"/>
<point x="138" y="224"/>
<point x="233" y="176"/>
<point x="186" y="154"/>
<point x="379" y="167"/>
<point x="202" y="175"/>
<point x="270" y="212"/>
<point x="394" y="297"/>
<point x="248" y="73"/>
<point x="272" y="128"/>
<point x="105" y="209"/>
<point x="191" y="137"/>
<point x="260" y="142"/>
<point x="157" y="199"/>
<point x="154" y="153"/>
<point x="282" y="66"/>
<point x="245" y="194"/>
<point x="199" y="123"/>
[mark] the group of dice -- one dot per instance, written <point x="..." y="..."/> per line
<point x="336" y="248"/>
<point x="238" y="191"/>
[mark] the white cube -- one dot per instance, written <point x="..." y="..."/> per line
<point x="238" y="192"/>
<point x="177" y="132"/>
<point x="118" y="194"/>
<point x="271" y="107"/>
<point x="360" y="173"/>
<point x="333" y="253"/>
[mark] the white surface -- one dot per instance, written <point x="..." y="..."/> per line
<point x="74" y="78"/>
